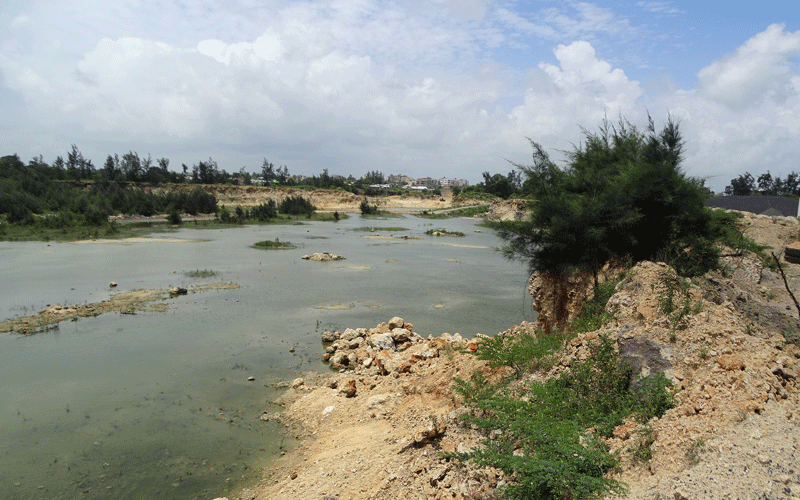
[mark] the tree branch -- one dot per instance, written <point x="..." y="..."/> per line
<point x="786" y="283"/>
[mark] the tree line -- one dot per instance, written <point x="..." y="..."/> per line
<point x="54" y="197"/>
<point x="745" y="184"/>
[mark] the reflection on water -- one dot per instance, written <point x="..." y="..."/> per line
<point x="158" y="405"/>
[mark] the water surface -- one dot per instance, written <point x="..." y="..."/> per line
<point x="158" y="404"/>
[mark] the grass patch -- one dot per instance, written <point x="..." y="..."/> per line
<point x="197" y="273"/>
<point x="274" y="245"/>
<point x="443" y="232"/>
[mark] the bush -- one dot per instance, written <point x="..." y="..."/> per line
<point x="265" y="211"/>
<point x="174" y="217"/>
<point x="367" y="209"/>
<point x="297" y="205"/>
<point x="623" y="194"/>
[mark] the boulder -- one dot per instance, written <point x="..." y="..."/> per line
<point x="400" y="335"/>
<point x="396" y="322"/>
<point x="348" y="388"/>
<point x="329" y="336"/>
<point x="382" y="341"/>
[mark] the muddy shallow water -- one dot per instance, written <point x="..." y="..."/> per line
<point x="159" y="404"/>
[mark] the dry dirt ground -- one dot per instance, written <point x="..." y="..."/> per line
<point x="375" y="430"/>
<point x="325" y="200"/>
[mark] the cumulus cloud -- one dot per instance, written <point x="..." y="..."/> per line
<point x="581" y="90"/>
<point x="760" y="69"/>
<point x="745" y="115"/>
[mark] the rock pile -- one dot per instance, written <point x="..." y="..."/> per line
<point x="388" y="348"/>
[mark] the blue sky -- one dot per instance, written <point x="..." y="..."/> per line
<point x="441" y="88"/>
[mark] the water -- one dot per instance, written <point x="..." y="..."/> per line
<point x="158" y="405"/>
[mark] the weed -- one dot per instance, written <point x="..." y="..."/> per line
<point x="703" y="353"/>
<point x="593" y="315"/>
<point x="642" y="447"/>
<point x="205" y="273"/>
<point x="675" y="301"/>
<point x="696" y="448"/>
<point x="523" y="352"/>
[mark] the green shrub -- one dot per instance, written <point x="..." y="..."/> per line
<point x="174" y="217"/>
<point x="367" y="209"/>
<point x="524" y="353"/>
<point x="274" y="245"/>
<point x="296" y="205"/>
<point x="539" y="434"/>
<point x="265" y="211"/>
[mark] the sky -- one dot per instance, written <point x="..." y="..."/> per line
<point x="438" y="88"/>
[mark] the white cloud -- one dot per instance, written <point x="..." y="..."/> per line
<point x="758" y="70"/>
<point x="745" y="116"/>
<point x="582" y="90"/>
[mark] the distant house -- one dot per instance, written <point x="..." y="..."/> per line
<point x="427" y="182"/>
<point x="767" y="205"/>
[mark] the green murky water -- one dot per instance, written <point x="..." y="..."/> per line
<point x="158" y="405"/>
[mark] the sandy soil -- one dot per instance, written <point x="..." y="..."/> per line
<point x="324" y="200"/>
<point x="124" y="302"/>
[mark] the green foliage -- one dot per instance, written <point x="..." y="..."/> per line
<point x="524" y="353"/>
<point x="265" y="211"/>
<point x="443" y="232"/>
<point x="197" y="273"/>
<point x="367" y="209"/>
<point x="593" y="314"/>
<point x="538" y="434"/>
<point x="174" y="217"/>
<point x="274" y="245"/>
<point x="296" y="205"/>
<point x="622" y="194"/>
<point x="642" y="447"/>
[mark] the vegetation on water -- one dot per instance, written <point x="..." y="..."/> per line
<point x="197" y="273"/>
<point x="547" y="435"/>
<point x="274" y="245"/>
<point x="622" y="195"/>
<point x="459" y="212"/>
<point x="443" y="232"/>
